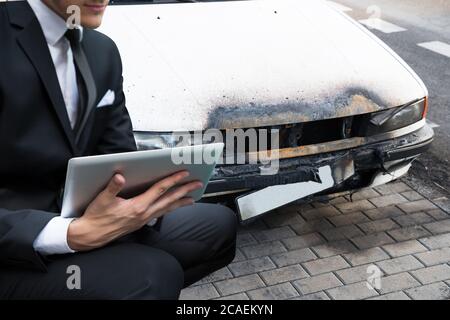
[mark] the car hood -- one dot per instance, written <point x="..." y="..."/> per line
<point x="237" y="64"/>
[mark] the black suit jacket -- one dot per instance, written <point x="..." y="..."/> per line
<point x="36" y="139"/>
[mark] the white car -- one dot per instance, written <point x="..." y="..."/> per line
<point x="349" y="112"/>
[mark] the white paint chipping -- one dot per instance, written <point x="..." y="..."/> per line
<point x="339" y="6"/>
<point x="381" y="25"/>
<point x="437" y="46"/>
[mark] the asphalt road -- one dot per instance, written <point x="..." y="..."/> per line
<point x="424" y="21"/>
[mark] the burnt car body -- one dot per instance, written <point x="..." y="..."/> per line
<point x="339" y="97"/>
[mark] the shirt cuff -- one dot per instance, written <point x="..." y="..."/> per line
<point x="53" y="238"/>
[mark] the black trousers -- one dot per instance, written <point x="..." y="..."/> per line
<point x="152" y="263"/>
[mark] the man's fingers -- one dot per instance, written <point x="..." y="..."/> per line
<point x="183" y="202"/>
<point x="172" y="197"/>
<point x="115" y="185"/>
<point x="160" y="188"/>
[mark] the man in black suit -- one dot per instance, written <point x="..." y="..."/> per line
<point x="52" y="78"/>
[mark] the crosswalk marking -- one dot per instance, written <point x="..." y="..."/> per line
<point x="381" y="25"/>
<point x="339" y="6"/>
<point x="432" y="124"/>
<point x="437" y="46"/>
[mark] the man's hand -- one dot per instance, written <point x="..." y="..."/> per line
<point x="109" y="217"/>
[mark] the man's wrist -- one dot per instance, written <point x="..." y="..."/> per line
<point x="78" y="236"/>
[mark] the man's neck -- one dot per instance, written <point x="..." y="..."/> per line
<point x="51" y="6"/>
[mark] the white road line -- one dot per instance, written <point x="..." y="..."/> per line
<point x="381" y="25"/>
<point x="339" y="6"/>
<point x="437" y="46"/>
<point x="432" y="124"/>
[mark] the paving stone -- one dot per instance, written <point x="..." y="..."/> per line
<point x="284" y="274"/>
<point x="337" y="200"/>
<point x="435" y="291"/>
<point x="314" y="296"/>
<point x="334" y="248"/>
<point x="388" y="200"/>
<point x="279" y="218"/>
<point x="413" y="219"/>
<point x="322" y="212"/>
<point x="304" y="241"/>
<point x="400" y="264"/>
<point x="409" y="233"/>
<point x="317" y="283"/>
<point x="432" y="274"/>
<point x="364" y="194"/>
<point x="383" y="213"/>
<point x="251" y="266"/>
<point x="395" y="187"/>
<point x="372" y="240"/>
<point x="412" y="195"/>
<point x="434" y="257"/>
<point x="437" y="227"/>
<point x="293" y="257"/>
<point x="359" y="205"/>
<point x="366" y="256"/>
<point x="404" y="248"/>
<point x="240" y="284"/>
<point x="354" y="274"/>
<point x="238" y="296"/>
<point x="325" y="265"/>
<point x="415" y="206"/>
<point x="274" y="234"/>
<point x="304" y="207"/>
<point x="202" y="292"/>
<point x="320" y="204"/>
<point x="263" y="249"/>
<point x="436" y="242"/>
<point x="245" y="239"/>
<point x="311" y="226"/>
<point x="294" y="208"/>
<point x="239" y="256"/>
<point x="255" y="225"/>
<point x="278" y="292"/>
<point x="354" y="291"/>
<point x="399" y="295"/>
<point x="378" y="226"/>
<point x="348" y="219"/>
<point x="345" y="232"/>
<point x="438" y="214"/>
<point x="221" y="274"/>
<point x="443" y="203"/>
<point x="397" y="282"/>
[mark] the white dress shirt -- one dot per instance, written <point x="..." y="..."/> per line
<point x="53" y="238"/>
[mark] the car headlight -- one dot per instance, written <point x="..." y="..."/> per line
<point x="396" y="118"/>
<point x="153" y="140"/>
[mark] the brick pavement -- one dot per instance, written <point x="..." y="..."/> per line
<point x="323" y="250"/>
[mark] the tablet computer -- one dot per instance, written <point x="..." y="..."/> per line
<point x="88" y="176"/>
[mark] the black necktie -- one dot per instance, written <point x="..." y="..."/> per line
<point x="85" y="80"/>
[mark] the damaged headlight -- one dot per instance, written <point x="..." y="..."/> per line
<point x="163" y="140"/>
<point x="155" y="140"/>
<point x="396" y="118"/>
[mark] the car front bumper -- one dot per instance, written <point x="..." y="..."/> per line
<point x="353" y="167"/>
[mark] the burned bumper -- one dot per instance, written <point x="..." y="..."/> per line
<point x="353" y="167"/>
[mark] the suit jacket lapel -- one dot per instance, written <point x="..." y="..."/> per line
<point x="33" y="42"/>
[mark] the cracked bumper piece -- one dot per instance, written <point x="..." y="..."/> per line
<point x="319" y="174"/>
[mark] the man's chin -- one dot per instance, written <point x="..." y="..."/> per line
<point x="91" y="23"/>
